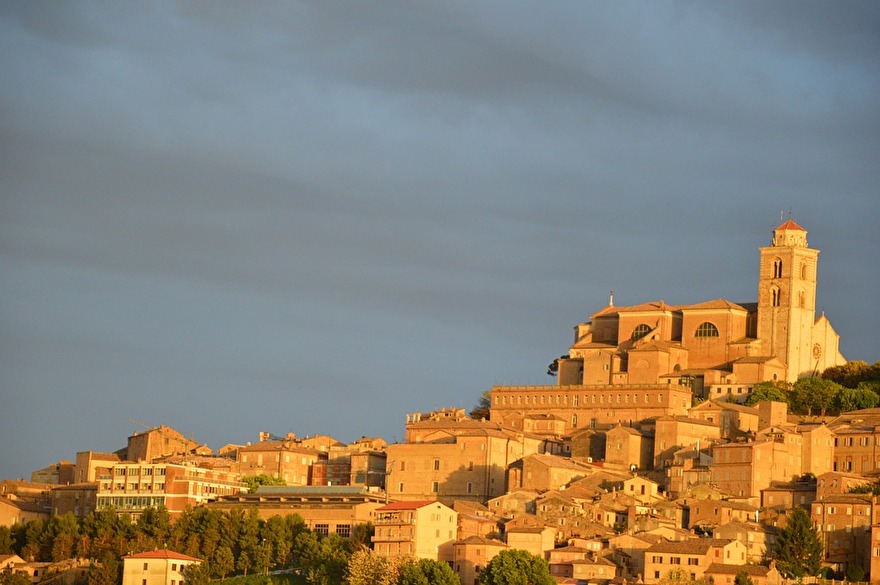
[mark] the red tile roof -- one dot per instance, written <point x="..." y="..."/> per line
<point x="790" y="225"/>
<point x="162" y="554"/>
<point x="414" y="505"/>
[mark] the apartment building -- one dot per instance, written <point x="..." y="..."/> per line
<point x="530" y="534"/>
<point x="453" y="460"/>
<point x="694" y="556"/>
<point x="421" y="529"/>
<point x="673" y="433"/>
<point x="157" y="567"/>
<point x="472" y="554"/>
<point x="581" y="564"/>
<point x="79" y="499"/>
<point x="758" y="538"/>
<point x="628" y="448"/>
<point x="744" y="469"/>
<point x="856" y="441"/>
<point x="284" y="460"/>
<point x="541" y="472"/>
<point x="133" y="487"/>
<point x="844" y="522"/>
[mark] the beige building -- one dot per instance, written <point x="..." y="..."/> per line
<point x="285" y="460"/>
<point x="324" y="509"/>
<point x="456" y="459"/>
<point x="161" y="441"/>
<point x="844" y="522"/>
<point x="158" y="567"/>
<point x="421" y="529"/>
<point x="694" y="556"/>
<point x="472" y="554"/>
<point x="540" y="472"/>
<point x="628" y="448"/>
<point x="530" y="534"/>
<point x="744" y="469"/>
<point x="672" y="433"/>
<point x="80" y="499"/>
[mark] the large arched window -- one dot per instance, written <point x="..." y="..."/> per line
<point x="776" y="297"/>
<point x="777" y="268"/>
<point x="640" y="331"/>
<point x="706" y="329"/>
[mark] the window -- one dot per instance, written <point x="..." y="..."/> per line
<point x="706" y="329"/>
<point x="436" y="465"/>
<point x="776" y="297"/>
<point x="777" y="268"/>
<point x="322" y="529"/>
<point x="146" y="566"/>
<point x="640" y="331"/>
<point x="343" y="530"/>
<point x="435" y="486"/>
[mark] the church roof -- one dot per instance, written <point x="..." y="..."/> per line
<point x="715" y="304"/>
<point x="790" y="225"/>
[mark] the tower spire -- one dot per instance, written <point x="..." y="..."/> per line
<point x="611" y="298"/>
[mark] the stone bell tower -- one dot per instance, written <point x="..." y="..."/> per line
<point x="787" y="299"/>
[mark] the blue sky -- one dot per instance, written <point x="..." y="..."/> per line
<point x="318" y="217"/>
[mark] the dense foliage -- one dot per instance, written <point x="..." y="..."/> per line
<point x="516" y="567"/>
<point x="798" y="547"/>
<point x="852" y="386"/>
<point x="229" y="542"/>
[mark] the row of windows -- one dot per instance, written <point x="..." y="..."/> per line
<point x="138" y="471"/>
<point x="130" y="502"/>
<point x="777" y="268"/>
<point x="563" y="399"/>
<point x="705" y="329"/>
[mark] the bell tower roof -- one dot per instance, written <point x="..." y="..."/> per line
<point x="790" y="234"/>
<point x="790" y="225"/>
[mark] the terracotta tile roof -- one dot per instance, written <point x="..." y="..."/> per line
<point x="714" y="304"/>
<point x="414" y="505"/>
<point x="751" y="570"/>
<point x="474" y="539"/>
<point x="790" y="225"/>
<point x="162" y="554"/>
<point x="693" y="546"/>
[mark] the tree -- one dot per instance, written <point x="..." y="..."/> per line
<point x="678" y="577"/>
<point x="851" y="374"/>
<point x="743" y="578"/>
<point x="224" y="562"/>
<point x="856" y="399"/>
<point x="553" y="368"/>
<point x="10" y="577"/>
<point x="255" y="481"/>
<point x="815" y="394"/>
<point x="5" y="540"/>
<point x="516" y="567"/>
<point x="197" y="574"/>
<point x="427" y="572"/>
<point x="365" y="567"/>
<point x="767" y="391"/>
<point x="798" y="547"/>
<point x="481" y="410"/>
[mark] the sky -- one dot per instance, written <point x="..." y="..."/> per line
<point x="317" y="217"/>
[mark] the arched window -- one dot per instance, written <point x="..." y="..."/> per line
<point x="777" y="297"/>
<point x="804" y="270"/>
<point x="640" y="331"/>
<point x="706" y="329"/>
<point x="801" y="297"/>
<point x="777" y="268"/>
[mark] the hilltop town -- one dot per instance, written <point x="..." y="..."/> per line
<point x="674" y="437"/>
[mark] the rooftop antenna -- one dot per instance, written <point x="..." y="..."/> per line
<point x="611" y="298"/>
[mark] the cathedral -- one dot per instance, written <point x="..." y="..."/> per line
<point x="715" y="349"/>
